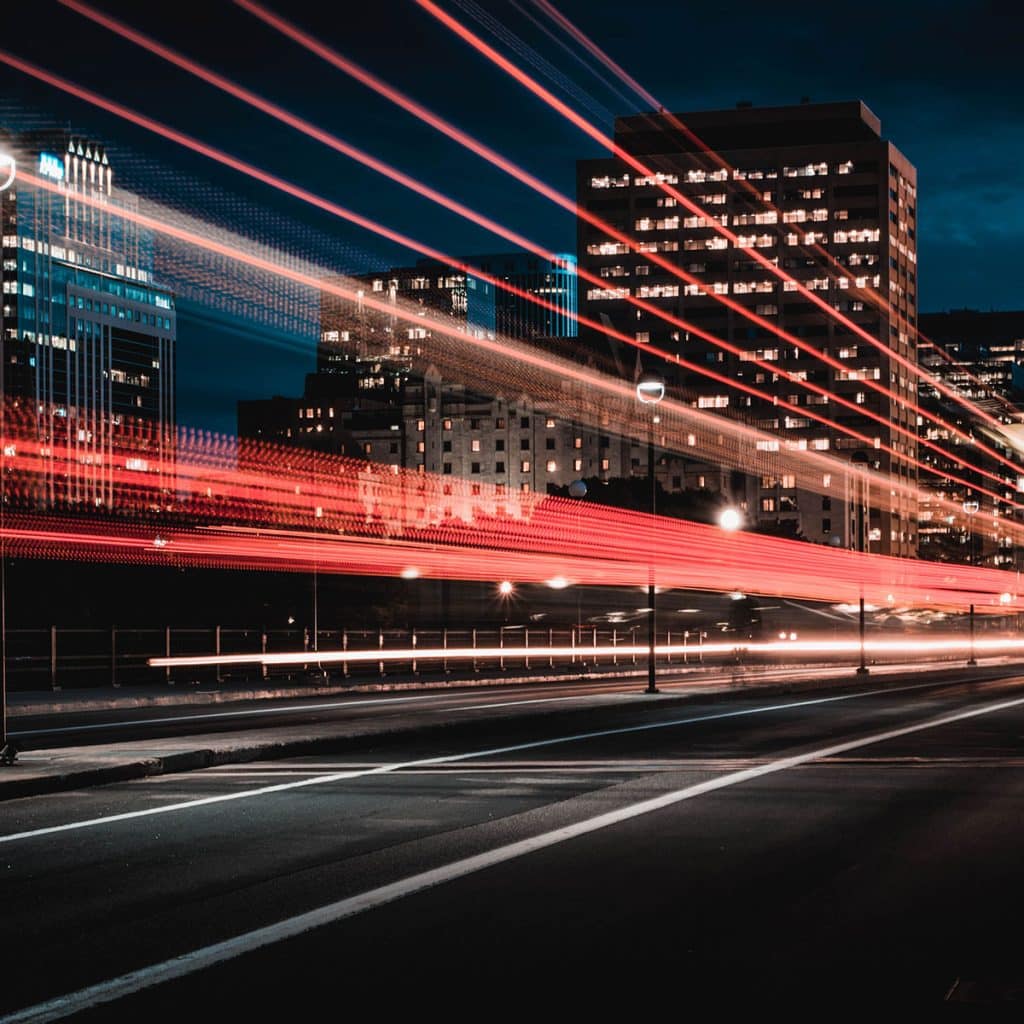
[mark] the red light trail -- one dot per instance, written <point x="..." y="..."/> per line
<point x="501" y="352"/>
<point x="607" y="142"/>
<point x="260" y="506"/>
<point x="425" y="115"/>
<point x="299" y="124"/>
<point x="336" y="210"/>
<point x="876" y="298"/>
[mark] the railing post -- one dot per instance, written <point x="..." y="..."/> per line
<point x="444" y="644"/>
<point x="216" y="641"/>
<point x="686" y="657"/>
<point x="572" y="644"/>
<point x="632" y="641"/>
<point x="862" y="668"/>
<point x="380" y="647"/>
<point x="700" y="645"/>
<point x="615" y="643"/>
<point x="595" y="647"/>
<point x="474" y="649"/>
<point x="113" y="656"/>
<point x="263" y="650"/>
<point x="501" y="647"/>
<point x="972" y="660"/>
<point x="668" y="645"/>
<point x="344" y="647"/>
<point x="53" y="658"/>
<point x="414" y="648"/>
<point x="167" y="654"/>
<point x="526" y="644"/>
<point x="551" y="643"/>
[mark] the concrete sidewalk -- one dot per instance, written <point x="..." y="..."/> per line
<point x="54" y="770"/>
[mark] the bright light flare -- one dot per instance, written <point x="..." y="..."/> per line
<point x="789" y="646"/>
<point x="730" y="519"/>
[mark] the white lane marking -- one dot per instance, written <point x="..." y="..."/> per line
<point x="220" y="952"/>
<point x="446" y="759"/>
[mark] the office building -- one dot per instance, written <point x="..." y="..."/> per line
<point x="88" y="337"/>
<point x="802" y="186"/>
<point x="979" y="355"/>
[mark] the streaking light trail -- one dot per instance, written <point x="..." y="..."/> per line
<point x="687" y="202"/>
<point x="877" y="648"/>
<point x="485" y="152"/>
<point x="722" y="440"/>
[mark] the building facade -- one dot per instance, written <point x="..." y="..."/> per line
<point x="87" y="335"/>
<point x="817" y="191"/>
<point x="981" y="356"/>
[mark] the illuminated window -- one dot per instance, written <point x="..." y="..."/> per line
<point x="475" y="444"/>
<point x="447" y="424"/>
<point x="551" y="466"/>
<point x="609" y="181"/>
<point x="657" y="291"/>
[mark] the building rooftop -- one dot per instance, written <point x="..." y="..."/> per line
<point x="749" y="127"/>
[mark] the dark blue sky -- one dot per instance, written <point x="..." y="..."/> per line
<point x="943" y="78"/>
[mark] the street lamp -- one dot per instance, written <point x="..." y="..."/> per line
<point x="860" y="459"/>
<point x="730" y="519"/>
<point x="970" y="507"/>
<point x="578" y="491"/>
<point x="650" y="390"/>
<point x="7" y="750"/>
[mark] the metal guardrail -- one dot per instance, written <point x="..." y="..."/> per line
<point x="62" y="657"/>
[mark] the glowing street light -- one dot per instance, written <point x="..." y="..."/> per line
<point x="505" y="588"/>
<point x="730" y="519"/>
<point x="650" y="390"/>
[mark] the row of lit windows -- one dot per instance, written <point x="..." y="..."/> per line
<point x="476" y="423"/>
<point x="551" y="466"/>
<point x="664" y="291"/>
<point x="696" y="177"/>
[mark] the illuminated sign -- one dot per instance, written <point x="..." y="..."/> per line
<point x="51" y="166"/>
<point x="6" y="171"/>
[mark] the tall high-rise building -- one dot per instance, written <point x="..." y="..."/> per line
<point x="794" y="184"/>
<point x="87" y="335"/>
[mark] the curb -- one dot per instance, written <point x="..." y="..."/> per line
<point x="275" y="749"/>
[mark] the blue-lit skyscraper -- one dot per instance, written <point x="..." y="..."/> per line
<point x="495" y="311"/>
<point x="87" y="336"/>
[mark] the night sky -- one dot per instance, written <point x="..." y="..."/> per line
<point x="943" y="78"/>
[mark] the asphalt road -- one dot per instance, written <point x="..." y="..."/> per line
<point x="848" y="850"/>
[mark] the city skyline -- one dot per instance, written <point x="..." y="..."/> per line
<point x="961" y="155"/>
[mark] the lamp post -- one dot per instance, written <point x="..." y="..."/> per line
<point x="650" y="390"/>
<point x="970" y="507"/>
<point x="7" y="751"/>
<point x="578" y="491"/>
<point x="860" y="459"/>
